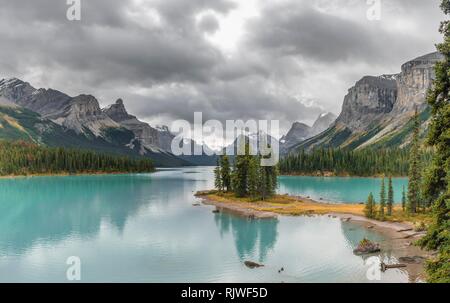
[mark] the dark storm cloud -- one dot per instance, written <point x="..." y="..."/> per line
<point x="209" y="24"/>
<point x="108" y="43"/>
<point x="299" y="29"/>
<point x="295" y="58"/>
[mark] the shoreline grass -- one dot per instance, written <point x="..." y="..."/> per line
<point x="297" y="206"/>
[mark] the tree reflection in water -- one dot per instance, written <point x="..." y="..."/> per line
<point x="253" y="238"/>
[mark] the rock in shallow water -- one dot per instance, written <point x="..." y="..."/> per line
<point x="252" y="265"/>
<point x="367" y="247"/>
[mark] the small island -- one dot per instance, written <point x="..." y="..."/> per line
<point x="250" y="189"/>
<point x="288" y="205"/>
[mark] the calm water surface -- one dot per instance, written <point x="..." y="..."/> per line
<point x="144" y="228"/>
<point x="339" y="189"/>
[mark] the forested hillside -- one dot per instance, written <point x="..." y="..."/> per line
<point x="23" y="158"/>
<point x="367" y="162"/>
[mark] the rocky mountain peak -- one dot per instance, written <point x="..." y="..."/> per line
<point x="87" y="104"/>
<point x="15" y="90"/>
<point x="163" y="128"/>
<point x="154" y="139"/>
<point x="83" y="112"/>
<point x="300" y="132"/>
<point x="322" y="123"/>
<point x="118" y="112"/>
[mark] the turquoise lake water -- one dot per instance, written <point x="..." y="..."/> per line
<point x="144" y="228"/>
<point x="339" y="189"/>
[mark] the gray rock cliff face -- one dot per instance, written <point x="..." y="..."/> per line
<point x="376" y="110"/>
<point x="322" y="123"/>
<point x="299" y="132"/>
<point x="413" y="83"/>
<point x="378" y="99"/>
<point x="370" y="99"/>
<point x="80" y="114"/>
<point x="148" y="136"/>
<point x="83" y="112"/>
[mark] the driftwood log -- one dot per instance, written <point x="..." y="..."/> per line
<point x="385" y="266"/>
<point x="402" y="230"/>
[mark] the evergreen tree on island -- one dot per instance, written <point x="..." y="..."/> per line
<point x="253" y="177"/>
<point x="382" y="200"/>
<point x="241" y="169"/>
<point x="225" y="172"/>
<point x="218" y="177"/>
<point x="390" y="200"/>
<point x="436" y="185"/>
<point x="369" y="210"/>
<point x="249" y="178"/>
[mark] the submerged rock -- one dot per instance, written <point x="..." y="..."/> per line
<point x="367" y="247"/>
<point x="252" y="265"/>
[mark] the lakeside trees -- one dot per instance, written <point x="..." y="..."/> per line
<point x="436" y="189"/>
<point x="403" y="199"/>
<point x="382" y="200"/>
<point x="414" y="173"/>
<point x="386" y="208"/>
<point x="370" y="209"/>
<point x="429" y="191"/>
<point x="225" y="173"/>
<point x="366" y="162"/>
<point x="390" y="199"/>
<point x="23" y="158"/>
<point x="248" y="178"/>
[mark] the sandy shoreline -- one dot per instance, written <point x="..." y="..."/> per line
<point x="399" y="236"/>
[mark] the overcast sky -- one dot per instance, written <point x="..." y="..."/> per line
<point x="288" y="60"/>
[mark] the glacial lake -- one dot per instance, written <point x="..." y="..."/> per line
<point x="340" y="189"/>
<point x="144" y="228"/>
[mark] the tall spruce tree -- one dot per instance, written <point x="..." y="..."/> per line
<point x="390" y="199"/>
<point x="268" y="179"/>
<point x="414" y="169"/>
<point x="218" y="177"/>
<point x="436" y="185"/>
<point x="369" y="209"/>
<point x="253" y="177"/>
<point x="225" y="172"/>
<point x="241" y="170"/>
<point x="382" y="200"/>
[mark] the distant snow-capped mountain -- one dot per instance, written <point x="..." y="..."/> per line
<point x="300" y="132"/>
